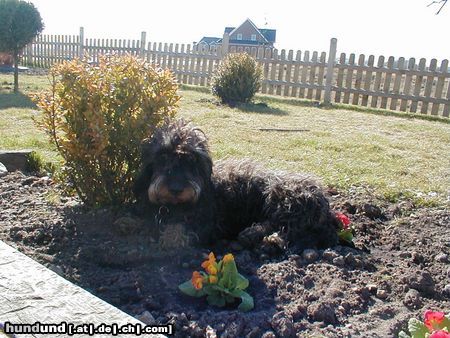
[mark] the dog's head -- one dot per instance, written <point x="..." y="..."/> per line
<point x="176" y="164"/>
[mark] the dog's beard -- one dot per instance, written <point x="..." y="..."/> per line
<point x="158" y="193"/>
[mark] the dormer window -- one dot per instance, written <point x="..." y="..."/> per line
<point x="253" y="37"/>
<point x="239" y="36"/>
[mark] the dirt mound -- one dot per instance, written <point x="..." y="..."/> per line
<point x="400" y="267"/>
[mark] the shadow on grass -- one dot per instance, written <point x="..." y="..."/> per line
<point x="360" y="109"/>
<point x="15" y="100"/>
<point x="385" y="112"/>
<point x="199" y="89"/>
<point x="260" y="108"/>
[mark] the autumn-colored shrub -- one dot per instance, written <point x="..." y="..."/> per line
<point x="237" y="78"/>
<point x="97" y="116"/>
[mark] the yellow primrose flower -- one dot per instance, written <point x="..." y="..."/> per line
<point x="210" y="265"/>
<point x="211" y="259"/>
<point x="211" y="269"/>
<point x="197" y="280"/>
<point x="228" y="258"/>
<point x="213" y="279"/>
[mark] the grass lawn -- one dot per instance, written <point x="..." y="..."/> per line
<point x="392" y="154"/>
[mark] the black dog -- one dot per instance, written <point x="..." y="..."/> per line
<point x="233" y="199"/>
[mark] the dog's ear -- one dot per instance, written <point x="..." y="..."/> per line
<point x="201" y="151"/>
<point x="149" y="148"/>
<point x="205" y="162"/>
<point x="142" y="181"/>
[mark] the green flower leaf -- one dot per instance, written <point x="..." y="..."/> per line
<point x="229" y="298"/>
<point x="219" y="288"/>
<point x="216" y="300"/>
<point x="188" y="289"/>
<point x="417" y="329"/>
<point x="229" y="275"/>
<point x="346" y="235"/>
<point x="445" y="323"/>
<point x="219" y="266"/>
<point x="241" y="282"/>
<point x="246" y="300"/>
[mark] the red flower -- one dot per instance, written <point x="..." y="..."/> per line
<point x="344" y="220"/>
<point x="440" y="334"/>
<point x="433" y="319"/>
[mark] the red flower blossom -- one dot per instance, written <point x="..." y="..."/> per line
<point x="345" y="221"/>
<point x="440" y="334"/>
<point x="433" y="319"/>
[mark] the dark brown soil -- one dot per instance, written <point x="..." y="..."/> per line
<point x="400" y="268"/>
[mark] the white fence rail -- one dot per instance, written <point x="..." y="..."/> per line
<point x="386" y="83"/>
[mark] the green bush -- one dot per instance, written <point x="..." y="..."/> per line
<point x="97" y="116"/>
<point x="237" y="79"/>
<point x="35" y="163"/>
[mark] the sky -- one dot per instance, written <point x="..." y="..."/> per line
<point x="405" y="28"/>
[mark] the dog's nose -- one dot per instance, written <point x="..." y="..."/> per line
<point x="176" y="190"/>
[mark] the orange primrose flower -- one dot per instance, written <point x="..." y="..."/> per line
<point x="228" y="258"/>
<point x="197" y="280"/>
<point x="210" y="265"/>
<point x="213" y="279"/>
<point x="212" y="269"/>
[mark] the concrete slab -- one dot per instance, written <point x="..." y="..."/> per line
<point x="30" y="293"/>
<point x="15" y="159"/>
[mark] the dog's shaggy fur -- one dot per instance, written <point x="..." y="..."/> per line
<point x="233" y="199"/>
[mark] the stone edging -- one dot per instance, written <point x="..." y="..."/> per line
<point x="29" y="293"/>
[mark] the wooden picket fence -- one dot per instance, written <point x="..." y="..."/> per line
<point x="386" y="83"/>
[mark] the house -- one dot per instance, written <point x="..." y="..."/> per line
<point x="245" y="35"/>
<point x="209" y="41"/>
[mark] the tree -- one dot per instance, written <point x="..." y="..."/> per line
<point x="20" y="22"/>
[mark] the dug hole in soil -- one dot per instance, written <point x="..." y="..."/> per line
<point x="400" y="267"/>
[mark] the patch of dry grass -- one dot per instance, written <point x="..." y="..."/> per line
<point x="17" y="129"/>
<point x="398" y="157"/>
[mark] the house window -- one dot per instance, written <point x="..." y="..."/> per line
<point x="253" y="37"/>
<point x="239" y="36"/>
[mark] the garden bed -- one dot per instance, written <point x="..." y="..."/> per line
<point x="400" y="266"/>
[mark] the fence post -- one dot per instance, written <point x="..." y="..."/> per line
<point x="330" y="70"/>
<point x="142" y="47"/>
<point x="225" y="45"/>
<point x="81" y="44"/>
<point x="26" y="56"/>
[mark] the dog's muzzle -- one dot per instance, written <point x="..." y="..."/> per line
<point x="160" y="193"/>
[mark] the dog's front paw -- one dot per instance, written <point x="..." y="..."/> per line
<point x="274" y="244"/>
<point x="253" y="235"/>
<point x="173" y="236"/>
